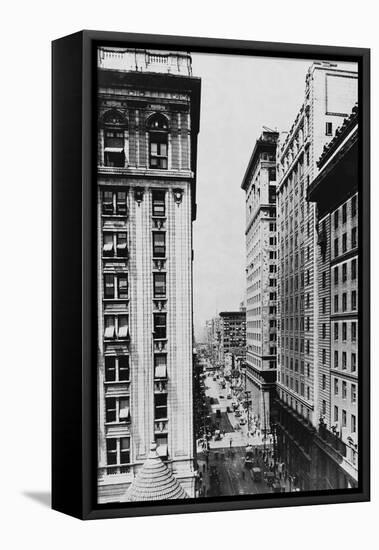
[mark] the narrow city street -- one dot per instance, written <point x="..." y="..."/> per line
<point x="223" y="468"/>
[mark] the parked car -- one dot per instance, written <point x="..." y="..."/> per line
<point x="242" y="421"/>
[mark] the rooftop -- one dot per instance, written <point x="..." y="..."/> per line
<point x="136" y="60"/>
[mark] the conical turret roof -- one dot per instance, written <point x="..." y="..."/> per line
<point x="154" y="481"/>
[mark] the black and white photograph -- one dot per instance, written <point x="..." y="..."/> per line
<point x="228" y="267"/>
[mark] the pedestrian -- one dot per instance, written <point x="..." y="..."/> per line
<point x="230" y="443"/>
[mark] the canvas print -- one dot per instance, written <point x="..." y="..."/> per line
<point x="227" y="275"/>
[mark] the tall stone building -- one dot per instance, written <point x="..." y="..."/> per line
<point x="148" y="121"/>
<point x="259" y="184"/>
<point x="330" y="94"/>
<point x="303" y="309"/>
<point x="335" y="192"/>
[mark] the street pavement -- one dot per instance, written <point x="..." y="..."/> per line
<point x="222" y="467"/>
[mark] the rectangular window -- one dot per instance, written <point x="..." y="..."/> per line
<point x="336" y="331"/>
<point x="353" y="393"/>
<point x="114" y="154"/>
<point x="323" y="305"/>
<point x="344" y="242"/>
<point x="158" y="150"/>
<point x="336" y="386"/>
<point x="121" y="202"/>
<point x="121" y="245"/>
<point x="353" y="207"/>
<point x="123" y="330"/>
<point x="336" y="275"/>
<point x="353" y="362"/>
<point x="336" y="247"/>
<point x="324" y="330"/>
<point x="122" y="286"/>
<point x="344" y="301"/>
<point x="324" y="381"/>
<point x="159" y="244"/>
<point x="335" y="413"/>
<point x="108" y="245"/>
<point x="336" y="359"/>
<point x="354" y="269"/>
<point x="124" y="450"/>
<point x="160" y="406"/>
<point x="328" y="128"/>
<point x="159" y="284"/>
<point x="344" y="272"/>
<point x="109" y="327"/>
<point x="344" y="331"/>
<point x="109" y="288"/>
<point x="107" y="202"/>
<point x="344" y="389"/>
<point x="110" y="368"/>
<point x="344" y="213"/>
<point x="111" y="451"/>
<point x="159" y="205"/>
<point x="354" y="243"/>
<point x="343" y="418"/>
<point x="336" y="219"/>
<point x="324" y="280"/>
<point x="354" y="299"/>
<point x="324" y="356"/>
<point x="353" y="423"/>
<point x="123" y="367"/>
<point x="353" y="331"/>
<point x="323" y="406"/>
<point x="160" y="365"/>
<point x="116" y="368"/>
<point x="336" y="303"/>
<point x="344" y="360"/>
<point x="160" y="330"/>
<point x="110" y="409"/>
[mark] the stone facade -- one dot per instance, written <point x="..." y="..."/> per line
<point x="330" y="93"/>
<point x="335" y="192"/>
<point x="259" y="184"/>
<point x="147" y="139"/>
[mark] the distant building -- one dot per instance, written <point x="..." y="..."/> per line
<point x="214" y="340"/>
<point x="335" y="192"/>
<point x="148" y="121"/>
<point x="259" y="183"/>
<point x="232" y="334"/>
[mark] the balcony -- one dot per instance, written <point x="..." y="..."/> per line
<point x="139" y="60"/>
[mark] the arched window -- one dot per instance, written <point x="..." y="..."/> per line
<point x="158" y="142"/>
<point x="114" y="125"/>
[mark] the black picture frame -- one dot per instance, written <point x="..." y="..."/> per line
<point x="74" y="288"/>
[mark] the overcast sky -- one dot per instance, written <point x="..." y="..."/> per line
<point x="239" y="95"/>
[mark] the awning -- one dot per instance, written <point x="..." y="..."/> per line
<point x="113" y="150"/>
<point x="124" y="413"/>
<point x="109" y="332"/>
<point x="161" y="371"/>
<point x="123" y="331"/>
<point x="162" y="450"/>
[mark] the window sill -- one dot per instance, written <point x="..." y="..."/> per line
<point x="117" y="300"/>
<point x="115" y="257"/>
<point x="118" y="382"/>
